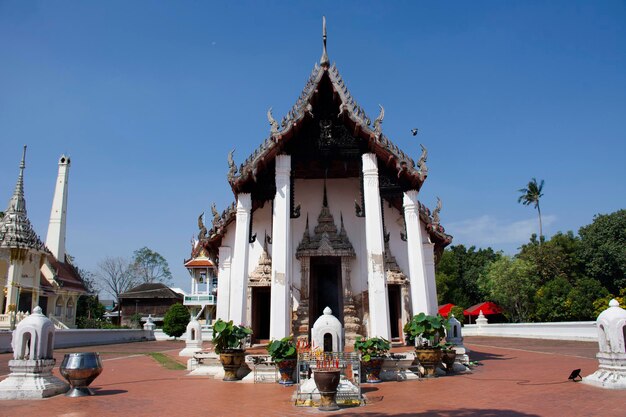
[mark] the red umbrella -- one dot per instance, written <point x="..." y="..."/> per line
<point x="444" y="310"/>
<point x="486" y="307"/>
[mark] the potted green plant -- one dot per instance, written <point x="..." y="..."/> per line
<point x="228" y="342"/>
<point x="373" y="351"/>
<point x="284" y="354"/>
<point x="427" y="330"/>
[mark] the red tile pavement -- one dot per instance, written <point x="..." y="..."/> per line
<point x="517" y="377"/>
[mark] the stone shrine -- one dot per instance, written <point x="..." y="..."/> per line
<point x="31" y="368"/>
<point x="327" y="333"/>
<point x="611" y="325"/>
<point x="193" y="338"/>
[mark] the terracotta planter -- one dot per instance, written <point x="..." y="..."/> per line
<point x="448" y="357"/>
<point x="231" y="360"/>
<point x="429" y="358"/>
<point x="371" y="370"/>
<point x="327" y="382"/>
<point x="286" y="368"/>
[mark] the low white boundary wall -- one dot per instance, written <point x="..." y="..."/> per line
<point x="86" y="337"/>
<point x="569" y="330"/>
<point x="159" y="335"/>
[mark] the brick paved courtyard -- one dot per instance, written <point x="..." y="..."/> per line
<point x="517" y="377"/>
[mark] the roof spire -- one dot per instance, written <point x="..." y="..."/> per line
<point x="17" y="201"/>
<point x="324" y="60"/>
<point x="325" y="202"/>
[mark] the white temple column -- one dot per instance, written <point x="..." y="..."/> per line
<point x="417" y="268"/>
<point x="377" y="284"/>
<point x="280" y="316"/>
<point x="239" y="273"/>
<point x="431" y="282"/>
<point x="223" y="284"/>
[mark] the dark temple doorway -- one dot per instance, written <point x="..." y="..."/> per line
<point x="395" y="312"/>
<point x="325" y="287"/>
<point x="260" y="312"/>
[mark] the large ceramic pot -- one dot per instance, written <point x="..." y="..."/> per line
<point x="429" y="358"/>
<point x="326" y="381"/>
<point x="286" y="368"/>
<point x="448" y="357"/>
<point x="371" y="370"/>
<point x="231" y="360"/>
<point x="80" y="369"/>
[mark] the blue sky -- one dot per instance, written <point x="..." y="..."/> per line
<point x="148" y="98"/>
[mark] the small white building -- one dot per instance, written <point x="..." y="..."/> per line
<point x="326" y="214"/>
<point x="33" y="273"/>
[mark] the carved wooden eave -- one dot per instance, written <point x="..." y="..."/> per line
<point x="350" y="113"/>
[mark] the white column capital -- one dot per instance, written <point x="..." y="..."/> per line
<point x="244" y="202"/>
<point x="410" y="199"/>
<point x="370" y="164"/>
<point x="283" y="164"/>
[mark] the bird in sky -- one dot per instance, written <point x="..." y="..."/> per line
<point x="414" y="131"/>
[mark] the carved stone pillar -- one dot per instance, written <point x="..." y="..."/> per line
<point x="281" y="245"/>
<point x="13" y="281"/>
<point x="223" y="283"/>
<point x="301" y="321"/>
<point x="377" y="284"/>
<point x="352" y="322"/>
<point x="239" y="273"/>
<point x="417" y="269"/>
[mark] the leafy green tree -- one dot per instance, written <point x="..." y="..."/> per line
<point x="512" y="284"/>
<point x="457" y="274"/>
<point x="556" y="257"/>
<point x="531" y="195"/>
<point x="458" y="313"/>
<point x="149" y="266"/>
<point x="552" y="300"/>
<point x="602" y="249"/>
<point x="602" y="303"/>
<point x="582" y="296"/>
<point x="176" y="320"/>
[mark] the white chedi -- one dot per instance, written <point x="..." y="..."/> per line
<point x="611" y="373"/>
<point x="193" y="338"/>
<point x="31" y="368"/>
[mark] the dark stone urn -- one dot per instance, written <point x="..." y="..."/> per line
<point x="326" y="381"/>
<point x="448" y="357"/>
<point x="372" y="369"/>
<point x="80" y="369"/>
<point x="286" y="368"/>
<point x="231" y="360"/>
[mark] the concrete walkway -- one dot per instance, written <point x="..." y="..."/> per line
<point x="517" y="377"/>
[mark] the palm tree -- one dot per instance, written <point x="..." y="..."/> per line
<point x="531" y="195"/>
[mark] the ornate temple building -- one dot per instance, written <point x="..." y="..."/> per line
<point x="326" y="213"/>
<point x="33" y="273"/>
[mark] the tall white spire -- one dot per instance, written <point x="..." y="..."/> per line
<point x="55" y="240"/>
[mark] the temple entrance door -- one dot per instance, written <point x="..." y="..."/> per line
<point x="260" y="310"/>
<point x="395" y="311"/>
<point x="325" y="287"/>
